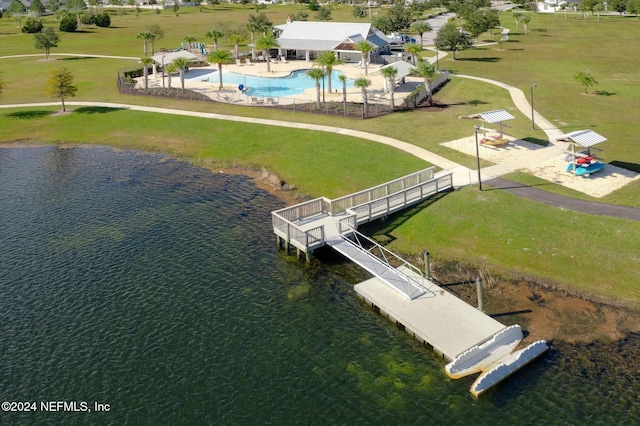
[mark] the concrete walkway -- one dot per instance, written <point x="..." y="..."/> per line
<point x="462" y="176"/>
<point x="553" y="133"/>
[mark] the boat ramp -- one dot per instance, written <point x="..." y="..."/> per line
<point x="470" y="340"/>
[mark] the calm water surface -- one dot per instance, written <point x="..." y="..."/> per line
<point x="293" y="84"/>
<point x="155" y="287"/>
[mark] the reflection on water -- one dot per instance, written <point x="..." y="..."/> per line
<point x="155" y="287"/>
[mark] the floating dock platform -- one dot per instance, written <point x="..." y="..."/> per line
<point x="472" y="341"/>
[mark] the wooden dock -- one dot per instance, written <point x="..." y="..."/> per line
<point x="472" y="341"/>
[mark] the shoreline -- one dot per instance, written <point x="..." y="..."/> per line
<point x="545" y="311"/>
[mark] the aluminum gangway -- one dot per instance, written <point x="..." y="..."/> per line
<point x="374" y="258"/>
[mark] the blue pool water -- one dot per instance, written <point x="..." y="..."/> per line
<point x="293" y="84"/>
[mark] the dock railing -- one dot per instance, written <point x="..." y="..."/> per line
<point x="388" y="258"/>
<point x="386" y="205"/>
<point x="339" y="205"/>
<point x="292" y="223"/>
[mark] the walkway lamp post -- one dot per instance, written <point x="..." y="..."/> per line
<point x="437" y="59"/>
<point x="476" y="128"/>
<point x="533" y="123"/>
<point x="162" y="73"/>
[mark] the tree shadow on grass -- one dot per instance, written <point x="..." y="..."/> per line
<point x="96" y="110"/>
<point x="29" y="115"/>
<point x="634" y="167"/>
<point x="604" y="93"/>
<point x="474" y="102"/>
<point x="76" y="58"/>
<point x="490" y="59"/>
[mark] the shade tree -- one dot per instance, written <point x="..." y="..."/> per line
<point x="46" y="39"/>
<point x="60" y="85"/>
<point x="585" y="79"/>
<point x="451" y="39"/>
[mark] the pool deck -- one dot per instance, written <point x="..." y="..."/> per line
<point x="231" y="93"/>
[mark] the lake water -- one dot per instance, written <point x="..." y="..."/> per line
<point x="156" y="287"/>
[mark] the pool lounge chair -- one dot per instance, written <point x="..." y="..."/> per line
<point x="247" y="61"/>
<point x="239" y="63"/>
<point x="283" y="60"/>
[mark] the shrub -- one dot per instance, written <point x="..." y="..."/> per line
<point x="138" y="72"/>
<point x="32" y="26"/>
<point x="68" y="23"/>
<point x="87" y="18"/>
<point x="103" y="20"/>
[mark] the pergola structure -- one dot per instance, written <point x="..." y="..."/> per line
<point x="404" y="69"/>
<point x="584" y="139"/>
<point x="492" y="117"/>
<point x="163" y="58"/>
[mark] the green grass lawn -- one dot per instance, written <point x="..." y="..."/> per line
<point x="523" y="239"/>
<point x="494" y="230"/>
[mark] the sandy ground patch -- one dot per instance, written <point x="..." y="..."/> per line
<point x="514" y="150"/>
<point x="596" y="185"/>
<point x="552" y="168"/>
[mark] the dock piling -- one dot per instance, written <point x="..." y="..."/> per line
<point x="427" y="265"/>
<point x="479" y="290"/>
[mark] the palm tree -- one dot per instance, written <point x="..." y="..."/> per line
<point x="390" y="73"/>
<point x="414" y="49"/>
<point x="362" y="83"/>
<point x="343" y="80"/>
<point x="425" y="70"/>
<point x="266" y="43"/>
<point x="236" y="39"/>
<point x="317" y="74"/>
<point x="257" y="23"/>
<point x="215" y="35"/>
<point x="220" y="57"/>
<point x="364" y="47"/>
<point x="517" y="15"/>
<point x="328" y="60"/>
<point x="421" y="27"/>
<point x="146" y="61"/>
<point x="158" y="34"/>
<point x="146" y="37"/>
<point x="170" y="69"/>
<point x="189" y="40"/>
<point x="181" y="64"/>
<point x="525" y="20"/>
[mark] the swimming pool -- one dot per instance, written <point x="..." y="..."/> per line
<point x="293" y="84"/>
